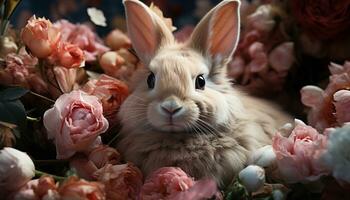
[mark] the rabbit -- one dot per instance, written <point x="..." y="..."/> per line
<point x="183" y="111"/>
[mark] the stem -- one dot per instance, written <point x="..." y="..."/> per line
<point x="42" y="97"/>
<point x="41" y="173"/>
<point x="33" y="119"/>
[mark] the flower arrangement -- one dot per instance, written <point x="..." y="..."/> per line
<point x="62" y="87"/>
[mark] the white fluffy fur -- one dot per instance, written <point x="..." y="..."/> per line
<point x="217" y="128"/>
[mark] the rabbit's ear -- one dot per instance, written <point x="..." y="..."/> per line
<point x="146" y="30"/>
<point x="216" y="35"/>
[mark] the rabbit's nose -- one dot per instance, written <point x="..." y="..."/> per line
<point x="171" y="110"/>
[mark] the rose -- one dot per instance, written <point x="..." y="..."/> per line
<point x="16" y="169"/>
<point x="40" y="37"/>
<point x="322" y="19"/>
<point x="79" y="189"/>
<point x="83" y="37"/>
<point x="121" y="181"/>
<point x="97" y="158"/>
<point x="69" y="56"/>
<point x="75" y="123"/>
<point x="165" y="183"/>
<point x="43" y="188"/>
<point x="110" y="91"/>
<point x="111" y="62"/>
<point x="252" y="177"/>
<point x="117" y="39"/>
<point x="298" y="156"/>
<point x="342" y="106"/>
<point x="336" y="157"/>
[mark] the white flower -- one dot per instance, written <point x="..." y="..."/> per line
<point x="252" y="177"/>
<point x="263" y="157"/>
<point x="16" y="169"/>
<point x="337" y="156"/>
<point x="97" y="16"/>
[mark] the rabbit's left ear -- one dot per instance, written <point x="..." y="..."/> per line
<point x="216" y="35"/>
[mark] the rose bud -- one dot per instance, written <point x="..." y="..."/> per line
<point x="263" y="157"/>
<point x="252" y="177"/>
<point x="16" y="169"/>
<point x="40" y="37"/>
<point x="110" y="62"/>
<point x="117" y="39"/>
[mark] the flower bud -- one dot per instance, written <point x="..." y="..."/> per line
<point x="16" y="169"/>
<point x="252" y="177"/>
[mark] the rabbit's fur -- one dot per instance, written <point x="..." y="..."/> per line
<point x="218" y="126"/>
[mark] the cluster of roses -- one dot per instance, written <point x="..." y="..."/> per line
<point x="112" y="181"/>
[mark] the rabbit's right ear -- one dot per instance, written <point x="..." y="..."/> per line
<point x="146" y="30"/>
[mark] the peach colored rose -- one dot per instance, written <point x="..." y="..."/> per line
<point x="62" y="80"/>
<point x="75" y="123"/>
<point x="111" y="62"/>
<point x="40" y="37"/>
<point x="82" y="36"/>
<point x="165" y="182"/>
<point x="79" y="189"/>
<point x="202" y="189"/>
<point x="42" y="188"/>
<point x="96" y="159"/>
<point x="69" y="55"/>
<point x="121" y="181"/>
<point x="298" y="156"/>
<point x="116" y="39"/>
<point x="110" y="91"/>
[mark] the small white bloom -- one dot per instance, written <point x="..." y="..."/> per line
<point x="337" y="156"/>
<point x="252" y="177"/>
<point x="97" y="16"/>
<point x="16" y="169"/>
<point x="263" y="157"/>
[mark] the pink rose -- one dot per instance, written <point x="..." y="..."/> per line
<point x="166" y="182"/>
<point x="298" y="156"/>
<point x="116" y="39"/>
<point x="110" y="91"/>
<point x="121" y="181"/>
<point x="75" y="123"/>
<point x="21" y="70"/>
<point x="82" y="36"/>
<point x="79" y="189"/>
<point x="97" y="158"/>
<point x="173" y="183"/>
<point x="40" y="37"/>
<point x="69" y="56"/>
<point x="62" y="80"/>
<point x="324" y="106"/>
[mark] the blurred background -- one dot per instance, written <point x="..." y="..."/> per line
<point x="183" y="12"/>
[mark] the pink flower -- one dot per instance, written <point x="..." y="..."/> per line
<point x="40" y="37"/>
<point x="82" y="36"/>
<point x="97" y="158"/>
<point x="121" y="181"/>
<point x="165" y="182"/>
<point x="173" y="183"/>
<point x="69" y="56"/>
<point x="75" y="123"/>
<point x="324" y="106"/>
<point x="281" y="58"/>
<point x="298" y="156"/>
<point x="79" y="189"/>
<point x="21" y="70"/>
<point x="116" y="39"/>
<point x="110" y="91"/>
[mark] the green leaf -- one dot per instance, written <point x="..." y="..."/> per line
<point x="13" y="112"/>
<point x="12" y="93"/>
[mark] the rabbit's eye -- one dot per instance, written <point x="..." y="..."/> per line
<point x="200" y="82"/>
<point x="151" y="80"/>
